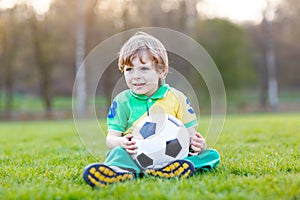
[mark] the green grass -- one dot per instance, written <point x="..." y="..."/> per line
<point x="34" y="104"/>
<point x="260" y="160"/>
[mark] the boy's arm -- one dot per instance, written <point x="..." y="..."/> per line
<point x="114" y="139"/>
<point x="198" y="143"/>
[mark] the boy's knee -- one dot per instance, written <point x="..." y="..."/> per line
<point x="118" y="148"/>
<point x="115" y="150"/>
<point x="211" y="153"/>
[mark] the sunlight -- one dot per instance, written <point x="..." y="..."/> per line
<point x="6" y="4"/>
<point x="235" y="10"/>
<point x="40" y="6"/>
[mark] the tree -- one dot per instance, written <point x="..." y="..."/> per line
<point x="43" y="45"/>
<point x="80" y="53"/>
<point x="285" y="34"/>
<point x="1" y="58"/>
<point x="270" y="61"/>
<point x="9" y="42"/>
<point x="277" y="37"/>
<point x="229" y="46"/>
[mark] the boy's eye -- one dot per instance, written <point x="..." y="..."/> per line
<point x="145" y="68"/>
<point x="128" y="69"/>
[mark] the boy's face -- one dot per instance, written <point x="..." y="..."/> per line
<point x="142" y="78"/>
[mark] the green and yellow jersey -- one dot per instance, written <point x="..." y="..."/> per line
<point x="129" y="108"/>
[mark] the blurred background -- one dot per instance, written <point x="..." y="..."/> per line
<point x="254" y="44"/>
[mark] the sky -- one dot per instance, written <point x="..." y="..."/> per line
<point x="41" y="6"/>
<point x="235" y="10"/>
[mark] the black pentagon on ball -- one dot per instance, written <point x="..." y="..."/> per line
<point x="148" y="129"/>
<point x="173" y="148"/>
<point x="144" y="160"/>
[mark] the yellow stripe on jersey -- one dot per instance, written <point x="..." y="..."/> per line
<point x="174" y="103"/>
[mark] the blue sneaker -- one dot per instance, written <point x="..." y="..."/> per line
<point x="177" y="168"/>
<point x="100" y="175"/>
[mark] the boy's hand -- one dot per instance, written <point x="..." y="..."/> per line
<point x="198" y="144"/>
<point x="128" y="144"/>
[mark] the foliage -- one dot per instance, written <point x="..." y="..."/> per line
<point x="286" y="33"/>
<point x="260" y="160"/>
<point x="42" y="62"/>
<point x="59" y="26"/>
<point x="229" y="46"/>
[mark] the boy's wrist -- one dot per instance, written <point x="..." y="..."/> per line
<point x="191" y="150"/>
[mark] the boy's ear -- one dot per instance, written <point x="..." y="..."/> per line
<point x="162" y="73"/>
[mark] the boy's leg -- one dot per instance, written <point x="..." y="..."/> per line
<point x="205" y="161"/>
<point x="119" y="157"/>
<point x="117" y="167"/>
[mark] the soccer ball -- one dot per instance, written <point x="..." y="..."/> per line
<point x="160" y="138"/>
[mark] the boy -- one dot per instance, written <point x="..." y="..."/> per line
<point x="143" y="60"/>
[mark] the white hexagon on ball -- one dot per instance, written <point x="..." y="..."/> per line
<point x="160" y="138"/>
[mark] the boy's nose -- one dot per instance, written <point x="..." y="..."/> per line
<point x="136" y="74"/>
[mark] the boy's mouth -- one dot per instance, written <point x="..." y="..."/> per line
<point x="138" y="84"/>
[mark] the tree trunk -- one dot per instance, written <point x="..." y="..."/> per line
<point x="80" y="68"/>
<point x="8" y="85"/>
<point x="44" y="63"/>
<point x="263" y="83"/>
<point x="271" y="65"/>
<point x="9" y="57"/>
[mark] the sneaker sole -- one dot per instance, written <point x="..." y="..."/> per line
<point x="177" y="168"/>
<point x="99" y="175"/>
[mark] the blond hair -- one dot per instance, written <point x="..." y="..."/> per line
<point x="139" y="43"/>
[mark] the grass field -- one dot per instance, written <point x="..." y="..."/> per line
<point x="260" y="160"/>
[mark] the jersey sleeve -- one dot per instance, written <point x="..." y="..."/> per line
<point x="117" y="117"/>
<point x="186" y="112"/>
